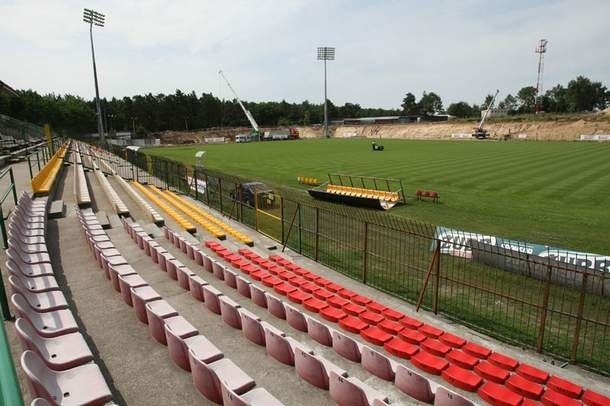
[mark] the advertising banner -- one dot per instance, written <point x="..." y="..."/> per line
<point x="457" y="243"/>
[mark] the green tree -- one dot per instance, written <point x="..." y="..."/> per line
<point x="409" y="105"/>
<point x="527" y="99"/>
<point x="430" y="103"/>
<point x="509" y="103"/>
<point x="461" y="109"/>
<point x="584" y="95"/>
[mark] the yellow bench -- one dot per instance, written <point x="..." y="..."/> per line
<point x="43" y="182"/>
<point x="228" y="229"/>
<point x="360" y="192"/>
<point x="179" y="204"/>
<point x="178" y="218"/>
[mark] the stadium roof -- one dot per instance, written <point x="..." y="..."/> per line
<point x="4" y="88"/>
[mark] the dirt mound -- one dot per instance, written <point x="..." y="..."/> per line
<point x="560" y="128"/>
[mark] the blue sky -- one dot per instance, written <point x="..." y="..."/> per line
<point x="267" y="48"/>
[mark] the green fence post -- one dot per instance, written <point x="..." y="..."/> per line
<point x="10" y="391"/>
<point x="196" y="183"/>
<point x="10" y="173"/>
<point x="30" y="167"/>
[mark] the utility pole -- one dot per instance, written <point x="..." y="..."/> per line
<point x="540" y="50"/>
<point x="326" y="54"/>
<point x="92" y="18"/>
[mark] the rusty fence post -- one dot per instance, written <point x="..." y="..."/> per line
<point x="316" y="253"/>
<point x="365" y="256"/>
<point x="437" y="275"/>
<point x="282" y="215"/>
<point x="544" y="309"/>
<point x="581" y="306"/>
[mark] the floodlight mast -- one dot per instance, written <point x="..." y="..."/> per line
<point x="249" y="116"/>
<point x="92" y="18"/>
<point x="326" y="54"/>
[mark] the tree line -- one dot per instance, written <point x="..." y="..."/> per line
<point x="580" y="94"/>
<point x="178" y="111"/>
<point x="188" y="111"/>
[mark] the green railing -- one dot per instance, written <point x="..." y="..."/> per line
<point x="10" y="392"/>
<point x="6" y="315"/>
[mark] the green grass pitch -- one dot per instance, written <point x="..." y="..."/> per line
<point x="555" y="193"/>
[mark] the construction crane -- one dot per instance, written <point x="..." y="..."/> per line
<point x="479" y="133"/>
<point x="255" y="129"/>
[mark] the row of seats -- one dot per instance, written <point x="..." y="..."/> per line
<point x="118" y="205"/>
<point x="57" y="361"/>
<point x="405" y="379"/>
<point x="43" y="182"/>
<point x="465" y="365"/>
<point x="361" y="192"/>
<point x="184" y="209"/>
<point x="239" y="236"/>
<point x="81" y="191"/>
<point x="152" y="214"/>
<point x="308" y="180"/>
<point x="311" y="367"/>
<point x="169" y="210"/>
<point x="214" y="376"/>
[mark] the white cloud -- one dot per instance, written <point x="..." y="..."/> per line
<point x="267" y="47"/>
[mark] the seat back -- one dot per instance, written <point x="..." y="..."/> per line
<point x="413" y="384"/>
<point x="204" y="378"/>
<point x="295" y="318"/>
<point x="277" y="344"/>
<point x="346" y="346"/>
<point x="275" y="306"/>
<point x="445" y="397"/>
<point x="252" y="327"/>
<point x="229" y="397"/>
<point x="378" y="364"/>
<point x="22" y="306"/>
<point x="229" y="312"/>
<point x="42" y="380"/>
<point x="310" y="368"/>
<point x="346" y="391"/>
<point x="27" y="334"/>
<point x="258" y="295"/>
<point x="319" y="332"/>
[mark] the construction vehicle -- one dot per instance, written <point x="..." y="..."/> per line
<point x="479" y="132"/>
<point x="256" y="132"/>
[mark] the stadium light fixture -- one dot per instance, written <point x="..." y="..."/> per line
<point x="326" y="54"/>
<point x="92" y="18"/>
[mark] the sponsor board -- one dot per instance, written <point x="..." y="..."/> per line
<point x="595" y="137"/>
<point x="201" y="185"/>
<point x="457" y="243"/>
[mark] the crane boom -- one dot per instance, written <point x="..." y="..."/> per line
<point x="249" y="115"/>
<point x="480" y="128"/>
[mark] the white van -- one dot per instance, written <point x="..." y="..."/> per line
<point x="243" y="138"/>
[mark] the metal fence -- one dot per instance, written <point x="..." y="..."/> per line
<point x="14" y="131"/>
<point x="553" y="307"/>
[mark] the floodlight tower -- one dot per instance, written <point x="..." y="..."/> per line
<point x="92" y="18"/>
<point x="326" y="54"/>
<point x="540" y="50"/>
